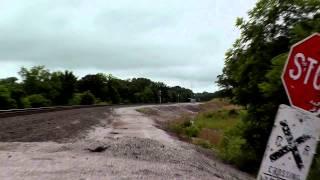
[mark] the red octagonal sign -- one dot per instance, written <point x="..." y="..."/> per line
<point x="301" y="75"/>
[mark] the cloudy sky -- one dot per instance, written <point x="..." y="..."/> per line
<point x="179" y="42"/>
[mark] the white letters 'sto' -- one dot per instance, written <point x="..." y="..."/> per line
<point x="292" y="74"/>
<point x="299" y="62"/>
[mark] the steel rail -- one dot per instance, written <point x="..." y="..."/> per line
<point x="28" y="111"/>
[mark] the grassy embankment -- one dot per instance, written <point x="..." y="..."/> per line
<point x="218" y="126"/>
<point x="208" y="127"/>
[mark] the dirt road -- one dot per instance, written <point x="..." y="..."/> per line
<point x="103" y="143"/>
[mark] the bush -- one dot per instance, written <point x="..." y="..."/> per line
<point x="233" y="112"/>
<point x="232" y="148"/>
<point x="76" y="99"/>
<point x="25" y="103"/>
<point x="192" y="131"/>
<point x="87" y="98"/>
<point x="37" y="100"/>
<point x="235" y="149"/>
<point x="6" y="102"/>
<point x="186" y="124"/>
<point x="176" y="128"/>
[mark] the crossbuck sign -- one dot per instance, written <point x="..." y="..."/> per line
<point x="291" y="146"/>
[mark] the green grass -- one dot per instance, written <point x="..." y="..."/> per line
<point x="207" y="128"/>
<point x="219" y="127"/>
<point x="147" y="111"/>
<point x="219" y="120"/>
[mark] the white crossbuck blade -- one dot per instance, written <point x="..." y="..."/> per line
<point x="291" y="146"/>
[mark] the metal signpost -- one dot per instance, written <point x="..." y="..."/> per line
<point x="295" y="135"/>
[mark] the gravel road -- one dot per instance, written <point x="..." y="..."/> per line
<point x="103" y="143"/>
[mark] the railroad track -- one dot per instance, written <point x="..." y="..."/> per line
<point x="27" y="111"/>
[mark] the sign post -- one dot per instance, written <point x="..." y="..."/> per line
<point x="295" y="135"/>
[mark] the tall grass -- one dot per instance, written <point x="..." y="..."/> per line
<point x="208" y="127"/>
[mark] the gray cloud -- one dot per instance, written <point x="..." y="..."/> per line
<point x="176" y="41"/>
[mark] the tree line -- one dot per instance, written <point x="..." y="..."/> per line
<point x="38" y="87"/>
<point x="253" y="66"/>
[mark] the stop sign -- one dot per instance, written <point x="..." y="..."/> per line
<point x="301" y="75"/>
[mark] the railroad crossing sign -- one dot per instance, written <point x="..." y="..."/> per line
<point x="291" y="146"/>
<point x="301" y="75"/>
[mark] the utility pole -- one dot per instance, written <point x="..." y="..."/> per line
<point x="160" y="97"/>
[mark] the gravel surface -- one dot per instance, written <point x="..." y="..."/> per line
<point x="53" y="126"/>
<point x="120" y="143"/>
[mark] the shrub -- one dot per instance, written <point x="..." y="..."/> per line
<point x="87" y="98"/>
<point x="6" y="102"/>
<point x="186" y="124"/>
<point x="25" y="103"/>
<point x="76" y="99"/>
<point x="37" y="100"/>
<point x="235" y="149"/>
<point x="232" y="148"/>
<point x="176" y="128"/>
<point x="192" y="131"/>
<point x="233" y="112"/>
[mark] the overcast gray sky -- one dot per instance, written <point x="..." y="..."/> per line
<point x="179" y="42"/>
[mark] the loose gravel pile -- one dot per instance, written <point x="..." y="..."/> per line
<point x="183" y="158"/>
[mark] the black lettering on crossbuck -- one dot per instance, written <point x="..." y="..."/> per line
<point x="291" y="147"/>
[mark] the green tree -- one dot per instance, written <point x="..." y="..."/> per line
<point x="122" y="87"/>
<point x="113" y="85"/>
<point x="35" y="80"/>
<point x="68" y="85"/>
<point x="40" y="87"/>
<point x="58" y="87"/>
<point x="180" y="94"/>
<point x="136" y="88"/>
<point x="87" y="98"/>
<point x="63" y="87"/>
<point x="163" y="90"/>
<point x="253" y="65"/>
<point x="147" y="95"/>
<point x="15" y="90"/>
<point x="6" y="102"/>
<point x="10" y="81"/>
<point x="113" y="94"/>
<point x="37" y="100"/>
<point x="96" y="84"/>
